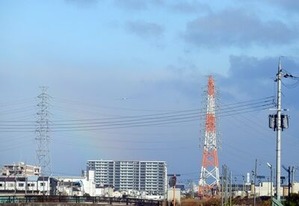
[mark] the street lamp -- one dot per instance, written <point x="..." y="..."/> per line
<point x="270" y="166"/>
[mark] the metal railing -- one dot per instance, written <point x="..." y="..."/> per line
<point x="79" y="199"/>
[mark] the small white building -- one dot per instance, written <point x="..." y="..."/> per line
<point x="77" y="185"/>
<point x="20" y="169"/>
<point x="264" y="189"/>
<point x="27" y="185"/>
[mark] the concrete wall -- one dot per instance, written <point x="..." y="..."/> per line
<point x="174" y="192"/>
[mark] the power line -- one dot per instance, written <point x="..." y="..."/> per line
<point x="156" y="119"/>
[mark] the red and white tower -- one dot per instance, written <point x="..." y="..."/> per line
<point x="209" y="174"/>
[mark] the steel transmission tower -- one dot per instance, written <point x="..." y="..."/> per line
<point x="42" y="133"/>
<point x="209" y="175"/>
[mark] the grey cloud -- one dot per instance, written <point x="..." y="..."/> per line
<point x="82" y="3"/>
<point x="145" y="29"/>
<point x="249" y="77"/>
<point x="290" y="5"/>
<point x="253" y="78"/>
<point x="186" y="79"/>
<point x="137" y="4"/>
<point x="190" y="7"/>
<point x="245" y="67"/>
<point x="185" y="7"/>
<point x="237" y="28"/>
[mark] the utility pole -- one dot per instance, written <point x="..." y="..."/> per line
<point x="289" y="182"/>
<point x="288" y="170"/>
<point x="254" y="184"/>
<point x="224" y="188"/>
<point x="271" y="180"/>
<point x="172" y="184"/>
<point x="293" y="177"/>
<point x="278" y="132"/>
<point x="231" y="189"/>
<point x="279" y="122"/>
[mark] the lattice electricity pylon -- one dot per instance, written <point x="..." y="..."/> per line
<point x="209" y="182"/>
<point x="42" y="133"/>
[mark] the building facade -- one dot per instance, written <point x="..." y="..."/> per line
<point x="21" y="178"/>
<point x="20" y="169"/>
<point x="148" y="176"/>
<point x="27" y="185"/>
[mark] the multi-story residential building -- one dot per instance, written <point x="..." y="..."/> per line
<point x="149" y="176"/>
<point x="20" y="169"/>
<point x="27" y="185"/>
<point x="20" y="178"/>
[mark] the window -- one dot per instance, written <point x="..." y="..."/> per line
<point x="21" y="184"/>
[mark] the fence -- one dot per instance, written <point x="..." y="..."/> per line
<point x="79" y="199"/>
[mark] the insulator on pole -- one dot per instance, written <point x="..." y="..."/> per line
<point x="284" y="121"/>
<point x="272" y="121"/>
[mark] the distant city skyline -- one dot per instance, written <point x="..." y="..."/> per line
<point x="127" y="80"/>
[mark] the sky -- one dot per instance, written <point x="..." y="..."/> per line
<point x="126" y="80"/>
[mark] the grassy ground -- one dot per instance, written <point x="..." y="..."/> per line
<point x="217" y="202"/>
<point x="197" y="202"/>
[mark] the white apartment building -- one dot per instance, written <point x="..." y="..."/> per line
<point x="27" y="185"/>
<point x="148" y="176"/>
<point x="20" y="169"/>
<point x="78" y="185"/>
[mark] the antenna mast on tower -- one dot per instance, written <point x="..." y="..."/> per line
<point x="209" y="174"/>
<point x="42" y="133"/>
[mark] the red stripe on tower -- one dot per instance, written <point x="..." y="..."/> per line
<point x="209" y="174"/>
